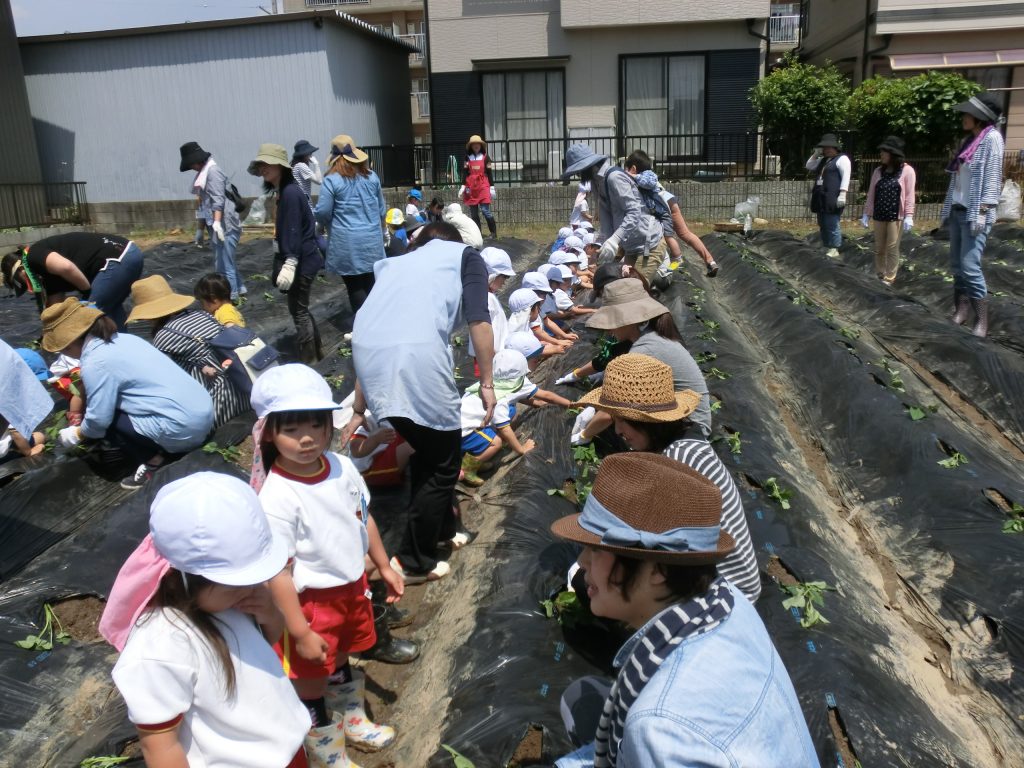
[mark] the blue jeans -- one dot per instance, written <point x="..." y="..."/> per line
<point x="965" y="255"/>
<point x="224" y="259"/>
<point x="828" y="223"/>
<point x="113" y="284"/>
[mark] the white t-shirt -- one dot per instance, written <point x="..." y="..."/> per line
<point x="411" y="211"/>
<point x="323" y="520"/>
<point x="499" y="324"/>
<point x="577" y="212"/>
<point x="473" y="408"/>
<point x="557" y="301"/>
<point x="962" y="186"/>
<point x="167" y="669"/>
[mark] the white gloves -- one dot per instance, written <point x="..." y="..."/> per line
<point x="314" y="161"/>
<point x="864" y="221"/>
<point x="462" y="190"/>
<point x="609" y="250"/>
<point x="286" y="276"/>
<point x="908" y="223"/>
<point x="218" y="230"/>
<point x="841" y="202"/>
<point x="582" y="422"/>
<point x="68" y="438"/>
<point x="492" y="193"/>
<point x="978" y="225"/>
<point x="569" y="378"/>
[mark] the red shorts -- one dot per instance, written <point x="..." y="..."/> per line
<point x="299" y="761"/>
<point x="384" y="471"/>
<point x="342" y="616"/>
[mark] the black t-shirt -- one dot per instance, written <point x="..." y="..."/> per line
<point x="87" y="250"/>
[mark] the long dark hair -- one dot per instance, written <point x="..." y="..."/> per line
<point x="287" y="177"/>
<point x="665" y="326"/>
<point x="683" y="582"/>
<point x="286" y="418"/>
<point x="174" y="594"/>
<point x="661" y="434"/>
<point x="103" y="328"/>
<point x="437" y="230"/>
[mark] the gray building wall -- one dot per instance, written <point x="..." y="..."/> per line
<point x="19" y="161"/>
<point x="113" y="110"/>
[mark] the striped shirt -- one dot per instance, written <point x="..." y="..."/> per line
<point x="740" y="567"/>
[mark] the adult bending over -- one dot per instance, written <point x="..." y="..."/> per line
<point x="138" y="398"/>
<point x="298" y="258"/>
<point x="976" y="178"/>
<point x="351" y="205"/>
<point x="404" y="374"/>
<point x="183" y="333"/>
<point x="100" y="267"/>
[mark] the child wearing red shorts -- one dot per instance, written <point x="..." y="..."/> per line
<point x="317" y="502"/>
<point x="378" y="451"/>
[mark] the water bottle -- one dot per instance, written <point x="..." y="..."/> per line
<point x="748" y="225"/>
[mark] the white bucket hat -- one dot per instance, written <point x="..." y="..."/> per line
<point x="292" y="387"/>
<point x="565" y="232"/>
<point x="212" y="525"/>
<point x="498" y="262"/>
<point x="559" y="272"/>
<point x="535" y="281"/>
<point x="524" y="298"/>
<point x="525" y="343"/>
<point x="563" y="257"/>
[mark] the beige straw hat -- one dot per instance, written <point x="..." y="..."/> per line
<point x="269" y="154"/>
<point x="625" y="302"/>
<point x="345" y="146"/>
<point x="476" y="139"/>
<point x="152" y="298"/>
<point x="640" y="388"/>
<point x="650" y="507"/>
<point x="65" y="322"/>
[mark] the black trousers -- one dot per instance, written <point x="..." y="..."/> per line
<point x="358" y="287"/>
<point x="434" y="470"/>
<point x="307" y="335"/>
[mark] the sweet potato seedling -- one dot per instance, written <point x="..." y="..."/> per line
<point x="735" y="444"/>
<point x="716" y="373"/>
<point x="52" y="631"/>
<point x="777" y="492"/>
<point x="806" y="596"/>
<point x="566" y="608"/>
<point x="345" y="352"/>
<point x="335" y="382"/>
<point x="1016" y="522"/>
<point x="103" y="761"/>
<point x="229" y="453"/>
<point x="268" y="296"/>
<point x="459" y="760"/>
<point x="956" y="459"/>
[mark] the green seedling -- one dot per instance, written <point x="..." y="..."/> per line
<point x="335" y="381"/>
<point x="947" y="278"/>
<point x="909" y="267"/>
<point x="227" y="452"/>
<point x="1000" y="294"/>
<point x="1016" y="522"/>
<point x="707" y="336"/>
<point x="241" y="301"/>
<point x="259" y="277"/>
<point x="459" y="760"/>
<point x="715" y="373"/>
<point x="956" y="459"/>
<point x="827" y="315"/>
<point x="895" y="380"/>
<point x="586" y="454"/>
<point x="705" y="357"/>
<point x="268" y="296"/>
<point x="916" y="414"/>
<point x="345" y="352"/>
<point x="711" y="325"/>
<point x="574" y="411"/>
<point x="777" y="492"/>
<point x="566" y="609"/>
<point x="321" y="279"/>
<point x="735" y="444"/>
<point x="104" y="761"/>
<point x="800" y="299"/>
<point x="1001" y="262"/>
<point x="457" y="341"/>
<point x="57" y="423"/>
<point x="807" y="596"/>
<point x="716" y="406"/>
<point x="52" y="631"/>
<point x="556" y="492"/>
<point x="850" y="333"/>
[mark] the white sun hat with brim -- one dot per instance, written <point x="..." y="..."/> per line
<point x="292" y="387"/>
<point x="498" y="262"/>
<point x="536" y="281"/>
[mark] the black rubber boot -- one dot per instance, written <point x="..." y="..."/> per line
<point x="961" y="306"/>
<point x="981" y="314"/>
<point x="492" y="225"/>
<point x="396" y="617"/>
<point x="389" y="649"/>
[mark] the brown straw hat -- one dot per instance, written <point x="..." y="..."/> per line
<point x="641" y="388"/>
<point x="344" y="145"/>
<point x="650" y="507"/>
<point x="65" y="322"/>
<point x="152" y="298"/>
<point x="476" y="139"/>
<point x="625" y="303"/>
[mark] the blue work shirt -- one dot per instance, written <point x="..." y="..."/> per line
<point x="352" y="209"/>
<point x="722" y="699"/>
<point x="131" y="376"/>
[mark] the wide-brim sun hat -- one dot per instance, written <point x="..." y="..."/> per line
<point x="981" y="107"/>
<point x="303" y="148"/>
<point x="649" y="507"/>
<point x="498" y="262"/>
<point x="211" y="524"/>
<point x="292" y="387"/>
<point x="65" y="322"/>
<point x="192" y="154"/>
<point x="476" y="139"/>
<point x="625" y="302"/>
<point x="894" y="145"/>
<point x="152" y="298"/>
<point x="269" y="154"/>
<point x="640" y="388"/>
<point x="535" y="281"/>
<point x="829" y="140"/>
<point x="579" y="157"/>
<point x="344" y="145"/>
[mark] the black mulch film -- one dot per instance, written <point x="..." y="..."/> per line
<point x="818" y="370"/>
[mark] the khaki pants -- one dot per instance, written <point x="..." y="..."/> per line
<point x="887" y="248"/>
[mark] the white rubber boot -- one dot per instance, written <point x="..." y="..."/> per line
<point x="325" y="746"/>
<point x="360" y="731"/>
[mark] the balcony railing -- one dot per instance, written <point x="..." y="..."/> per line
<point x="422" y="103"/>
<point x="784" y="29"/>
<point x="32" y="205"/>
<point x="329" y="3"/>
<point x="420" y="41"/>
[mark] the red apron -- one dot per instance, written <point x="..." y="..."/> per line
<point x="478" y="188"/>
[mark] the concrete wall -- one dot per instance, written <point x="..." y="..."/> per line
<point x="903" y="16"/>
<point x="112" y="111"/>
<point x="579" y="14"/>
<point x="19" y="161"/>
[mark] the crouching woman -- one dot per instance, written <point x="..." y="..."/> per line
<point x="699" y="682"/>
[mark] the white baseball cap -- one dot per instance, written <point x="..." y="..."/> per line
<point x="509" y="365"/>
<point x="523" y="298"/>
<point x="211" y="524"/>
<point x="498" y="262"/>
<point x="585" y="225"/>
<point x="559" y="272"/>
<point x="588" y="238"/>
<point x="565" y="232"/>
<point x="292" y="387"/>
<point x="534" y="281"/>
<point x="563" y="257"/>
<point x="525" y="343"/>
<point x="573" y="242"/>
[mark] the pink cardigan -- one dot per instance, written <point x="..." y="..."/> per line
<point x="907" y="182"/>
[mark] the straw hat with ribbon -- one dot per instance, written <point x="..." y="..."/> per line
<point x="65" y="322"/>
<point x="476" y="139"/>
<point x="649" y="507"/>
<point x="344" y="146"/>
<point x="269" y="154"/>
<point x="625" y="303"/>
<point x="640" y="388"/>
<point x="152" y="298"/>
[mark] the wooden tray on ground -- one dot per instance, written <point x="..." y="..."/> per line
<point x="727" y="226"/>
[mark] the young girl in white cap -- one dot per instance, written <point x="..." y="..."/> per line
<point x="499" y="269"/>
<point x="318" y="503"/>
<point x="524" y="304"/>
<point x="193" y="618"/>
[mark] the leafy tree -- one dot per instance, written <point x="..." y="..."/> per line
<point x="797" y="103"/>
<point x="917" y="109"/>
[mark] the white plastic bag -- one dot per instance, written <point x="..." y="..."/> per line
<point x="748" y="206"/>
<point x="257" y="212"/>
<point x="1009" y="202"/>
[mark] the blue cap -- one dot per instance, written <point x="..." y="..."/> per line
<point x="415" y="193"/>
<point x="34" y="361"/>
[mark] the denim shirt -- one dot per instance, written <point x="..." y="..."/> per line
<point x="352" y="209"/>
<point x="720" y="699"/>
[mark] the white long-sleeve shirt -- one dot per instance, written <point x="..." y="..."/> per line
<point x="842" y="163"/>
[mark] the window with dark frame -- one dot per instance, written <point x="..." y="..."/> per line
<point x="663" y="96"/>
<point x="524" y="121"/>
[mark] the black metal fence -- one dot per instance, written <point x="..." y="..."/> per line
<point x="33" y="205"/>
